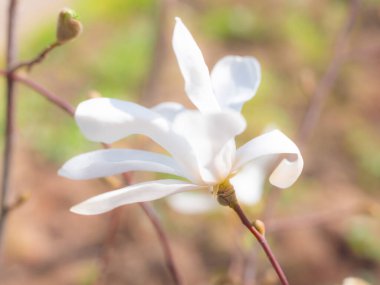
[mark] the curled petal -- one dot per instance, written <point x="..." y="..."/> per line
<point x="193" y="68"/>
<point x="211" y="140"/>
<point x="192" y="203"/>
<point x="235" y="80"/>
<point x="142" y="192"/>
<point x="273" y="143"/>
<point x="101" y="163"/>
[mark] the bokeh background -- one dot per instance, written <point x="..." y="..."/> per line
<point x="323" y="229"/>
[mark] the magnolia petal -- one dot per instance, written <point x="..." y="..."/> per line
<point x="249" y="182"/>
<point x="273" y="143"/>
<point x="210" y="137"/>
<point x="192" y="203"/>
<point x="101" y="163"/>
<point x="108" y="120"/>
<point x="193" y="68"/>
<point x="235" y="80"/>
<point x="354" y="281"/>
<point x="169" y="110"/>
<point x="142" y="192"/>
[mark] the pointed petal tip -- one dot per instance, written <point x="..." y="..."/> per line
<point x="63" y="172"/>
<point x="80" y="210"/>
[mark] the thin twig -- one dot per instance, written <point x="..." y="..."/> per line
<point x="317" y="101"/>
<point x="153" y="218"/>
<point x="50" y="96"/>
<point x="151" y="213"/>
<point x="158" y="52"/>
<point x="10" y="112"/>
<point x="39" y="58"/>
<point x="263" y="242"/>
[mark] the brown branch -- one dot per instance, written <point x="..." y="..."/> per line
<point x="152" y="215"/>
<point x="263" y="243"/>
<point x="10" y="112"/>
<point x="38" y="59"/>
<point x="50" y="96"/>
<point x="314" y="110"/>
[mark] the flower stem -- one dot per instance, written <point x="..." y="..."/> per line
<point x="263" y="242"/>
<point x="10" y="113"/>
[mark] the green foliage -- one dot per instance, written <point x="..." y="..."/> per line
<point x="124" y="61"/>
<point x="89" y="273"/>
<point x="363" y="144"/>
<point x="236" y="23"/>
<point x="362" y="237"/>
<point x="306" y="36"/>
<point x="115" y="10"/>
<point x="52" y="132"/>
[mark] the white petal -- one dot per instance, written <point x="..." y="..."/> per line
<point x="210" y="137"/>
<point x="142" y="192"/>
<point x="192" y="203"/>
<point x="235" y="80"/>
<point x="169" y="110"/>
<point x="249" y="182"/>
<point x="194" y="70"/>
<point x="101" y="163"/>
<point x="354" y="281"/>
<point x="273" y="144"/>
<point x="108" y="120"/>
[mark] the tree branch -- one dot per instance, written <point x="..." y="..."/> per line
<point x="10" y="112"/>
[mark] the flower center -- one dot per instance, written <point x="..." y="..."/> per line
<point x="225" y="194"/>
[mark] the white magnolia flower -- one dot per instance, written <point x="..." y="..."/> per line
<point x="200" y="144"/>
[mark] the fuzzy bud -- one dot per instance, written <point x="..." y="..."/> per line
<point x="68" y="26"/>
<point x="259" y="226"/>
<point x="225" y="194"/>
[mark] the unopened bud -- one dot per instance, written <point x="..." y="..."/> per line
<point x="225" y="194"/>
<point x="259" y="226"/>
<point x="68" y="26"/>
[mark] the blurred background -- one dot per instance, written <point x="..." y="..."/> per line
<point x="323" y="229"/>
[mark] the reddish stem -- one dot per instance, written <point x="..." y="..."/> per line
<point x="264" y="244"/>
<point x="50" y="96"/>
<point x="10" y="112"/>
<point x="151" y="213"/>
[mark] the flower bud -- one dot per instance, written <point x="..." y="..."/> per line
<point x="225" y="194"/>
<point x="68" y="27"/>
<point x="259" y="226"/>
